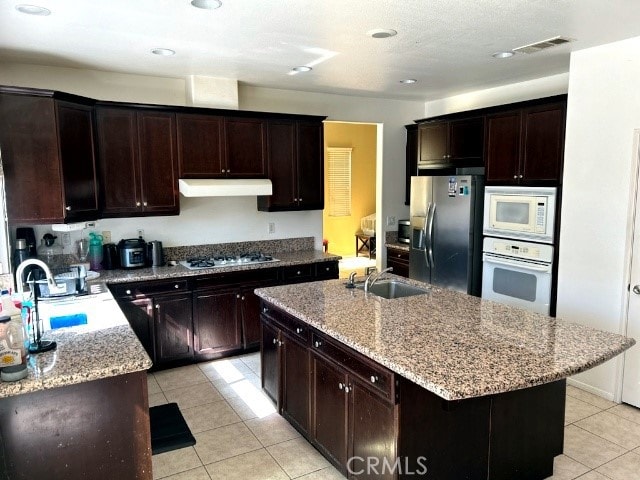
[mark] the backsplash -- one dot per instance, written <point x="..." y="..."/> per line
<point x="264" y="246"/>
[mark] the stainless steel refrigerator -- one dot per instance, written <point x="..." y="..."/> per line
<point x="446" y="231"/>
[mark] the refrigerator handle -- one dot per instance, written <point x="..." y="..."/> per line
<point x="430" y="242"/>
<point x="425" y="236"/>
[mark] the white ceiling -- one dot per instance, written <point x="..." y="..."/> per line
<point x="445" y="44"/>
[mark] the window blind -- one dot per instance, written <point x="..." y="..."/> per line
<point x="339" y="179"/>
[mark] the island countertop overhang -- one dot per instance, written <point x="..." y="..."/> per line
<point x="452" y="344"/>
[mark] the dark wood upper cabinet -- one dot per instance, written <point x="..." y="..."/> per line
<point x="138" y="162"/>
<point x="245" y="147"/>
<point x="48" y="159"/>
<point x="526" y="146"/>
<point x="200" y="146"/>
<point x="295" y="166"/>
<point x="457" y="143"/>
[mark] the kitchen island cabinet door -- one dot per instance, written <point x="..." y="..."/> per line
<point x="270" y="361"/>
<point x="310" y="166"/>
<point x="329" y="409"/>
<point x="295" y="382"/>
<point x="245" y="147"/>
<point x="200" y="146"/>
<point x="250" y="315"/>
<point x="216" y="322"/>
<point x="173" y="327"/>
<point x="372" y="425"/>
<point x="158" y="163"/>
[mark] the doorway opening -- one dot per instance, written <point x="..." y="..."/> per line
<point x="350" y="161"/>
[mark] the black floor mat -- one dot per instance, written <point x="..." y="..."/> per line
<point x="169" y="431"/>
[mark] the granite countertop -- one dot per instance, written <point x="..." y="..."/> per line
<point x="166" y="272"/>
<point x="398" y="246"/>
<point x="104" y="348"/>
<point x="454" y="345"/>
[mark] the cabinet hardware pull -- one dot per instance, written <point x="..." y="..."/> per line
<point x="137" y="204"/>
<point x="265" y="310"/>
<point x="144" y="204"/>
<point x="228" y="170"/>
<point x="157" y="306"/>
<point x="374" y="378"/>
<point x="515" y="176"/>
<point x="275" y="341"/>
<point x="300" y="200"/>
<point x="67" y="208"/>
<point x="177" y="286"/>
<point x="317" y="344"/>
<point x="223" y="170"/>
<point x="340" y="386"/>
<point x="280" y="343"/>
<point x="298" y="330"/>
<point x="128" y="292"/>
<point x="347" y="389"/>
<point x="242" y="298"/>
<point x="237" y="295"/>
<point x="298" y="272"/>
<point x="520" y="176"/>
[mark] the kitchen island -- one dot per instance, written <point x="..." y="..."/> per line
<point x="82" y="412"/>
<point x="442" y="384"/>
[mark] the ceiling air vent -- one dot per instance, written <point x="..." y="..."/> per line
<point x="538" y="46"/>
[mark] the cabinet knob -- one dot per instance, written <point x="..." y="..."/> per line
<point x="347" y="389"/>
<point x="67" y="208"/>
<point x="157" y="306"/>
<point x="298" y="272"/>
<point x="374" y="378"/>
<point x="341" y="386"/>
<point x="317" y="344"/>
<point x="128" y="292"/>
<point x="144" y="204"/>
<point x="299" y="330"/>
<point x="237" y="295"/>
<point x="242" y="298"/>
<point x="275" y="341"/>
<point x="515" y="176"/>
<point x="265" y="310"/>
<point x="520" y="176"/>
<point x="228" y="170"/>
<point x="327" y="269"/>
<point x="300" y="199"/>
<point x="223" y="170"/>
<point x="137" y="204"/>
<point x="176" y="285"/>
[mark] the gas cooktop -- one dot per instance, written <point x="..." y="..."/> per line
<point x="250" y="258"/>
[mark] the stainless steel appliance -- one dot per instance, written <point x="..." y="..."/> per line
<point x="525" y="213"/>
<point x="446" y="230"/>
<point x="251" y="258"/>
<point x="132" y="252"/>
<point x="404" y="231"/>
<point x="154" y="254"/>
<point x="517" y="273"/>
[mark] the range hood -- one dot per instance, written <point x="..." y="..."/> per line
<point x="224" y="187"/>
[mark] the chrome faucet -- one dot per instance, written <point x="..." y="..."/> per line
<point x="374" y="277"/>
<point x="53" y="286"/>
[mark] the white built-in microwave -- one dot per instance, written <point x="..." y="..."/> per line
<point x="520" y="212"/>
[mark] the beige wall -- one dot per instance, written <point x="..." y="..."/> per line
<point x="339" y="231"/>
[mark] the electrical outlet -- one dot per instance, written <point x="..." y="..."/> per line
<point x="391" y="221"/>
<point x="106" y="236"/>
<point x="272" y="227"/>
<point x="66" y="239"/>
<point x="140" y="232"/>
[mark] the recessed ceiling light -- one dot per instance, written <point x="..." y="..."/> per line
<point x="408" y="81"/>
<point x="301" y="69"/>
<point x="33" y="10"/>
<point x="164" y="52"/>
<point x="382" y="33"/>
<point x="206" y="4"/>
<point x="503" y="55"/>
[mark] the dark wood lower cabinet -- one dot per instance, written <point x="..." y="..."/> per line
<point x="216" y="325"/>
<point x="399" y="260"/>
<point x="173" y="328"/>
<point x="374" y="424"/>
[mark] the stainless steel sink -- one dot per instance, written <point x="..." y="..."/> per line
<point x="394" y="289"/>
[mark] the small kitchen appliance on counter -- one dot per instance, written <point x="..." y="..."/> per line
<point x="154" y="254"/>
<point x="110" y="256"/>
<point x="250" y="258"/>
<point x="132" y="252"/>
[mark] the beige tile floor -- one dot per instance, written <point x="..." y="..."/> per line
<point x="239" y="435"/>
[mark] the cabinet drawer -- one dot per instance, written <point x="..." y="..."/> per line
<point x="326" y="270"/>
<point x="298" y="272"/>
<point x="243" y="278"/>
<point x="376" y="377"/>
<point x="398" y="255"/>
<point x="145" y="289"/>
<point x="292" y="325"/>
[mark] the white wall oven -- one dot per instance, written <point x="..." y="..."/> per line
<point x="517" y="273"/>
<point x="521" y="213"/>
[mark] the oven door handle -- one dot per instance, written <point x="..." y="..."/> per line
<point x="511" y="263"/>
